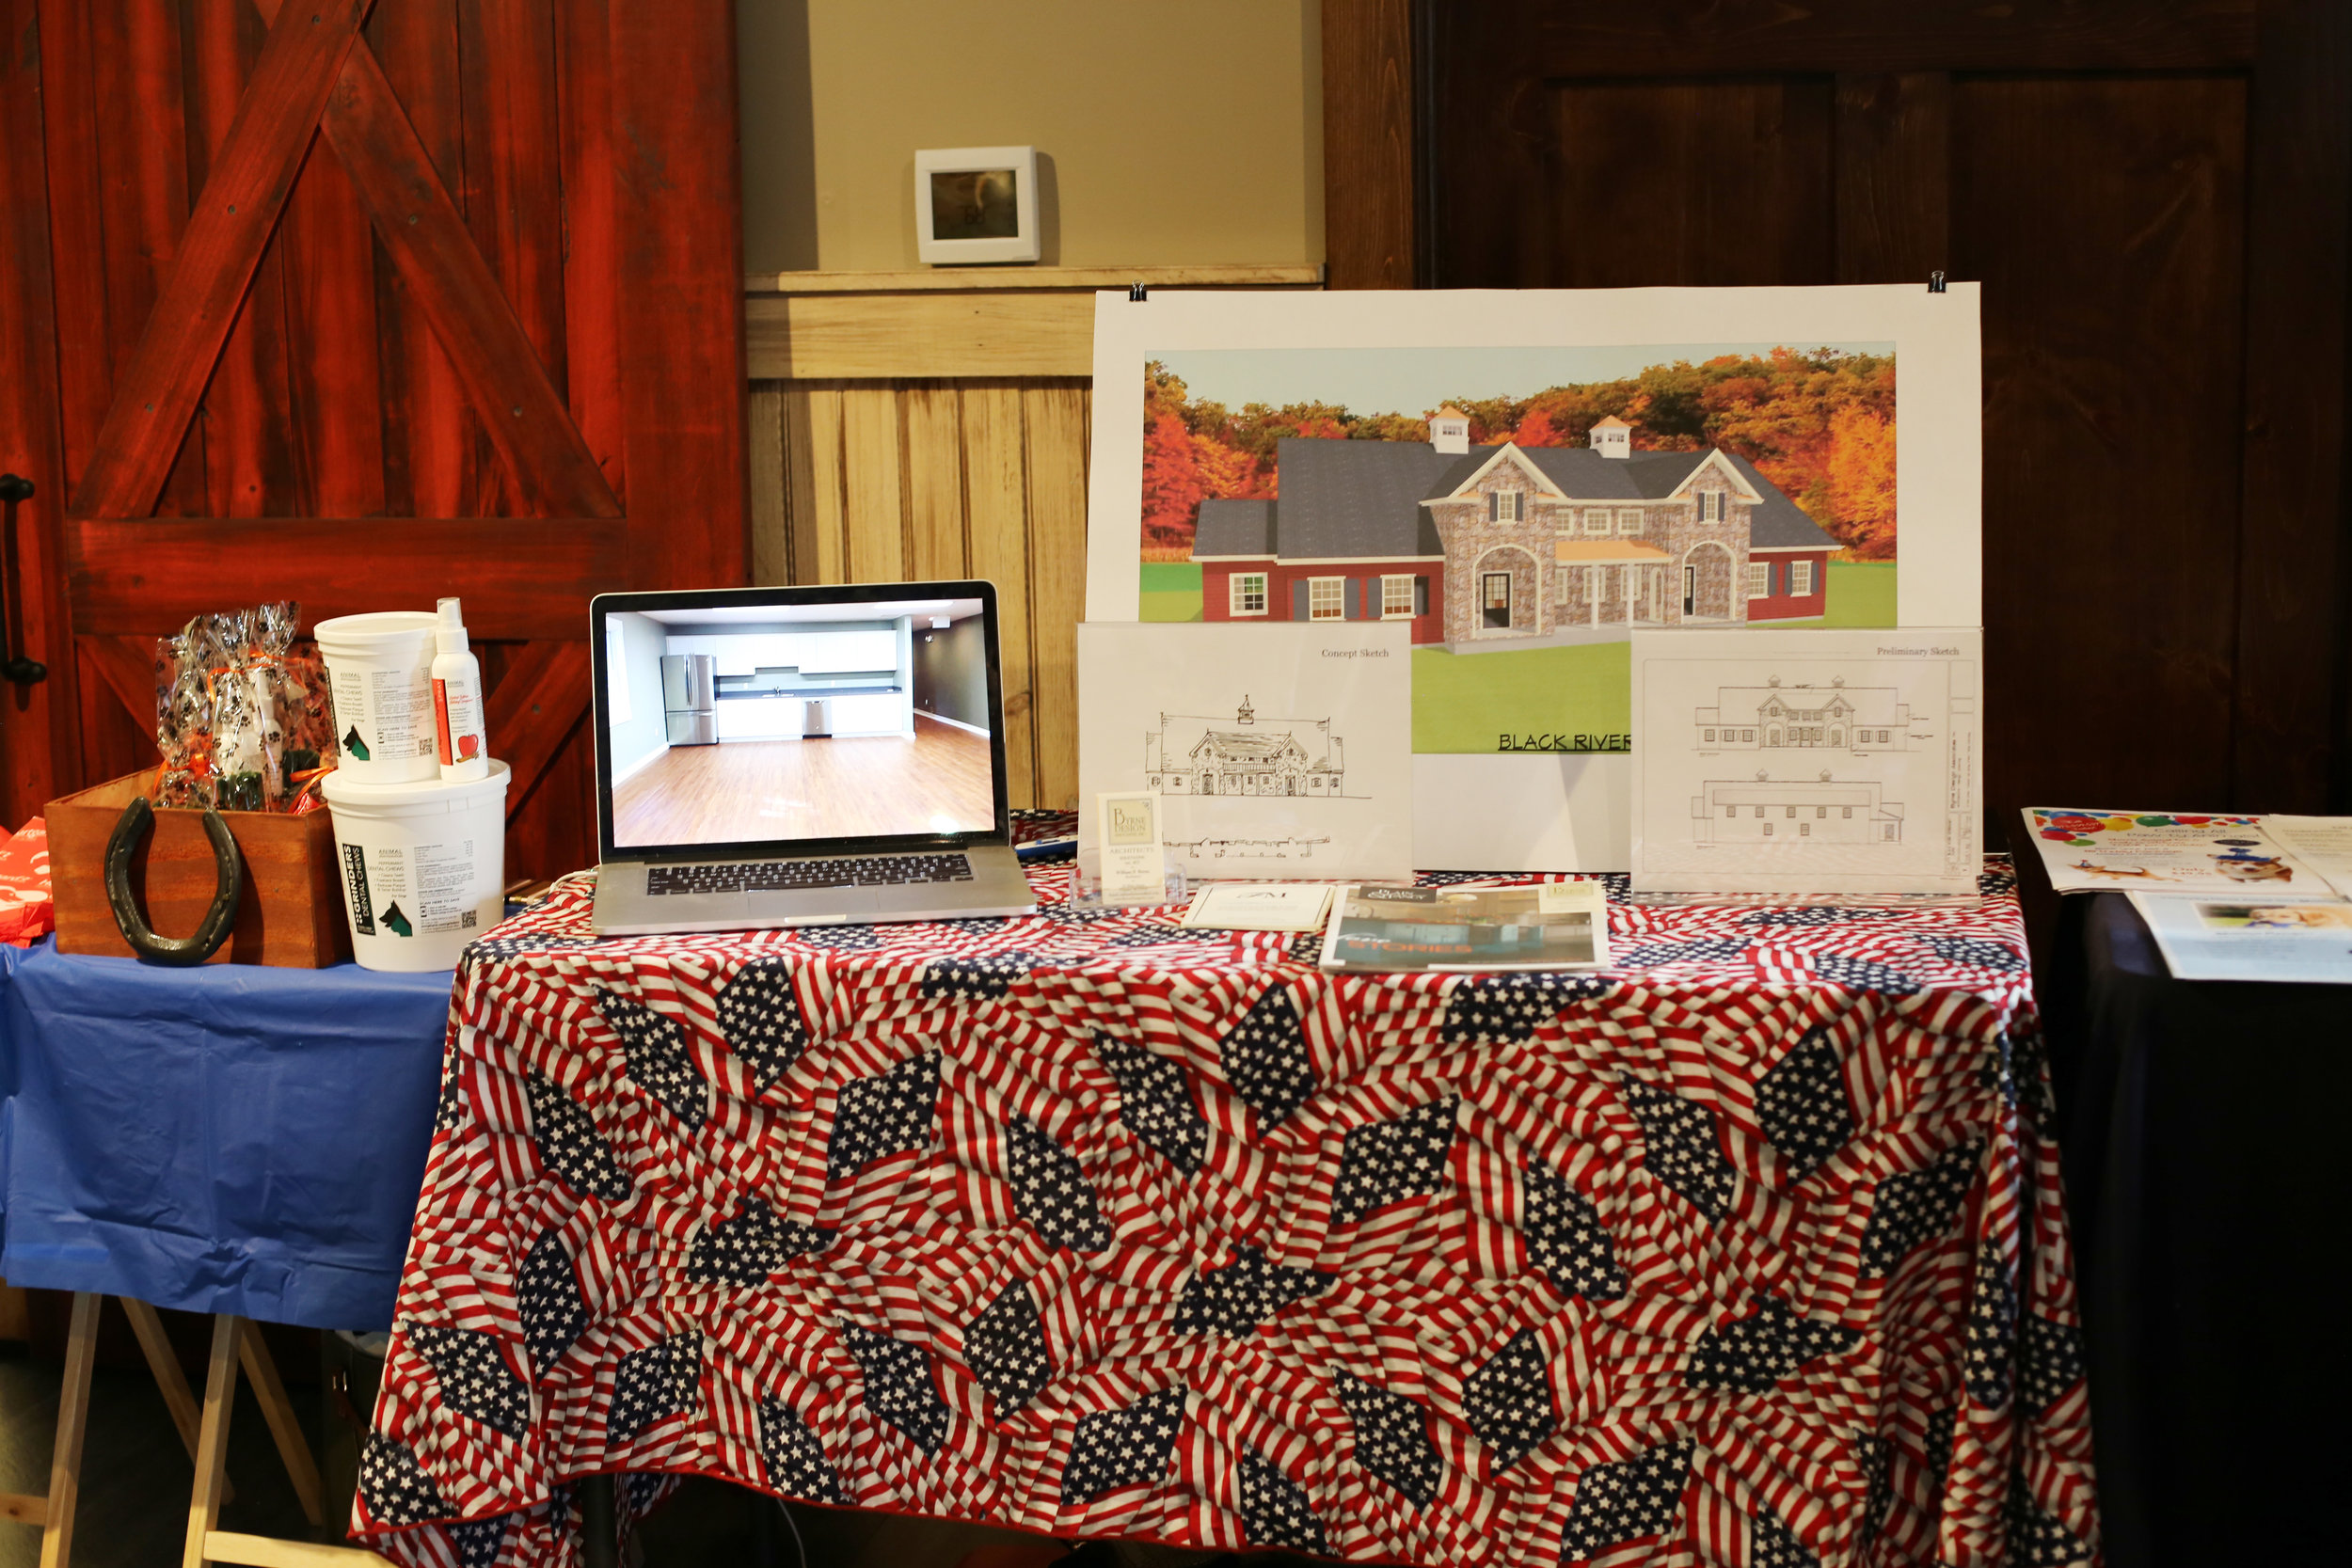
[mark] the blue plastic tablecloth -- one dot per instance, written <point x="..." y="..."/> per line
<point x="227" y="1138"/>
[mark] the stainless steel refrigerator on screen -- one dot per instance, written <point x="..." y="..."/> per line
<point x="690" y="691"/>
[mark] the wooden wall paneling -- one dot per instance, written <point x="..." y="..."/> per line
<point x="249" y="462"/>
<point x="1893" y="176"/>
<point x="514" y="192"/>
<point x="820" y="533"/>
<point x="934" y="481"/>
<point x="679" y="216"/>
<point x="60" y="65"/>
<point x="1368" y="109"/>
<point x="997" y="493"/>
<point x="547" y="469"/>
<point x="157" y="391"/>
<point x="801" y="493"/>
<point x="875" y="336"/>
<point x="873" y="507"/>
<point x="2111" y="422"/>
<point x="38" y="723"/>
<point x="2294" y="673"/>
<point x="1056" y="419"/>
<point x="114" y="740"/>
<point x="1703" y="183"/>
<point x="592" y="304"/>
<point x="523" y="576"/>
<point x="334" y="381"/>
<point x="764" y="438"/>
<point x="1567" y="39"/>
<point x="430" y="428"/>
<point x="142" y="144"/>
<point x="541" y="693"/>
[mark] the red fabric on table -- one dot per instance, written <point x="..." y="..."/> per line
<point x="1747" y="1251"/>
<point x="27" y="912"/>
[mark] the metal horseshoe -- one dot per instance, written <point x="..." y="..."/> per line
<point x="177" y="952"/>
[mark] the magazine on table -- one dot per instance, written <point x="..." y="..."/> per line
<point x="2251" y="937"/>
<point x="2161" y="851"/>
<point x="1446" y="929"/>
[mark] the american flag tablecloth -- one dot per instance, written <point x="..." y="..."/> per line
<point x="1747" y="1252"/>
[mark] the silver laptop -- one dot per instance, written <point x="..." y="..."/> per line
<point x="801" y="756"/>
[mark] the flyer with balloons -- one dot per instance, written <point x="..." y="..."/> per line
<point x="2085" y="850"/>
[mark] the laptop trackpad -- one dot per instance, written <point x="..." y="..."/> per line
<point x="855" y="903"/>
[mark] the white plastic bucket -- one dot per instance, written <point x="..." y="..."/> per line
<point x="379" y="671"/>
<point x="424" y="865"/>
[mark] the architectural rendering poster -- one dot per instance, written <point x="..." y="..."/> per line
<point x="1524" y="479"/>
<point x="1277" y="751"/>
<point x="1808" y="761"/>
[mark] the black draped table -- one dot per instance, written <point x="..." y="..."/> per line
<point x="1748" y="1251"/>
<point x="2206" y="1176"/>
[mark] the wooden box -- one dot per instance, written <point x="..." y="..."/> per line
<point x="290" y="912"/>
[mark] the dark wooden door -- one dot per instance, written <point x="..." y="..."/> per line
<point x="2155" y="195"/>
<point x="361" y="303"/>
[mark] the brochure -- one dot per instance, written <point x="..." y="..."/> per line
<point x="2247" y="939"/>
<point x="2321" y="843"/>
<point x="2086" y="851"/>
<point x="1443" y="930"/>
<point x="1259" y="906"/>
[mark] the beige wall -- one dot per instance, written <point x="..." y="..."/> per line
<point x="1167" y="134"/>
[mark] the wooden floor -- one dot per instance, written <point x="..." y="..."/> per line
<point x="848" y="788"/>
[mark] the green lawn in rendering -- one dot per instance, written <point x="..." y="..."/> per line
<point x="1468" y="702"/>
<point x="1171" y="591"/>
<point x="1464" y="702"/>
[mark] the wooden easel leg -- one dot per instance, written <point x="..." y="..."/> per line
<point x="294" y="1448"/>
<point x="164" y="1364"/>
<point x="65" y="1463"/>
<point x="211" y="1443"/>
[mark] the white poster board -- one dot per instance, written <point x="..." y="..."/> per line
<point x="1555" y="788"/>
<point x="1808" y="762"/>
<point x="1276" y="751"/>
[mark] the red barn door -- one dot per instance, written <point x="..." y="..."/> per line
<point x="364" y="302"/>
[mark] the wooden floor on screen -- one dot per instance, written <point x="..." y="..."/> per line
<point x="848" y="786"/>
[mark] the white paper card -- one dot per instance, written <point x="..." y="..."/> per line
<point x="1808" y="761"/>
<point x="1134" y="864"/>
<point x="1276" y="752"/>
<point x="1259" y="906"/>
<point x="2250" y="937"/>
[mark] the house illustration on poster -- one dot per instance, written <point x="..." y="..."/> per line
<point x="1471" y="543"/>
<point x="1772" y="717"/>
<point x="1243" y="755"/>
<point x="1825" y="810"/>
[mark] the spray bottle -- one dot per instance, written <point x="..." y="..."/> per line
<point x="465" y="752"/>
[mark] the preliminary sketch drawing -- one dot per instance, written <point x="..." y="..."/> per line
<point x="1813" y="761"/>
<point x="1801" y="715"/>
<point x="1194" y="755"/>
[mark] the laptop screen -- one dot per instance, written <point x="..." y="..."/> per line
<point x="777" y="719"/>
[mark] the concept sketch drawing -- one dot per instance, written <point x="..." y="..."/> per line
<point x="1246" y="754"/>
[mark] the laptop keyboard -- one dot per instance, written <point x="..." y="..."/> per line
<point x="799" y="875"/>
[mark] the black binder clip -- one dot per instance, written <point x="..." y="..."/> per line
<point x="1137" y="293"/>
<point x="1935" y="283"/>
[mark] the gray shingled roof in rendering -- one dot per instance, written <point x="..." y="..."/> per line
<point x="1345" y="500"/>
<point x="1234" y="528"/>
<point x="1360" y="500"/>
<point x="1778" y="524"/>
